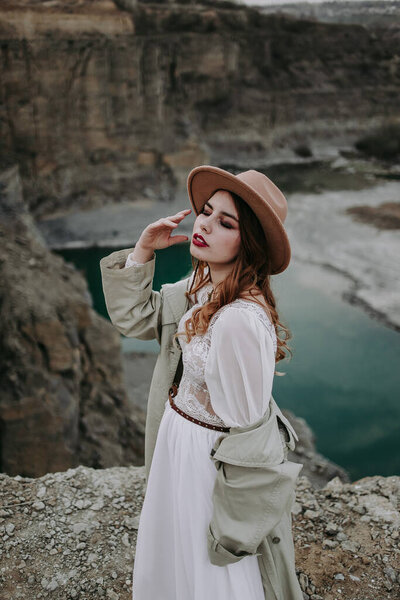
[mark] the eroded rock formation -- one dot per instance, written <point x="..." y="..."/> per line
<point x="62" y="400"/>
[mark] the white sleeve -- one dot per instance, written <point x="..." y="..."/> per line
<point x="240" y="367"/>
<point x="130" y="262"/>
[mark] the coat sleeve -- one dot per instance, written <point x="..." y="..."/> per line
<point x="133" y="306"/>
<point x="248" y="502"/>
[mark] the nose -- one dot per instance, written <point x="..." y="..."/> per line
<point x="203" y="226"/>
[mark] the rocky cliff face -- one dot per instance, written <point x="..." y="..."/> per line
<point x="105" y="102"/>
<point x="62" y="400"/>
<point x="73" y="535"/>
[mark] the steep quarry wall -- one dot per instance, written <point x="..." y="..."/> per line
<point x="99" y="103"/>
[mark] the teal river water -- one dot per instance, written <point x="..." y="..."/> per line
<point x="343" y="378"/>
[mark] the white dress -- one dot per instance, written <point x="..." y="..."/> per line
<point x="227" y="380"/>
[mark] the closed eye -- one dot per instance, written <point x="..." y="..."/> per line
<point x="227" y="225"/>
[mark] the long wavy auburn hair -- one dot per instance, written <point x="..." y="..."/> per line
<point x="251" y="268"/>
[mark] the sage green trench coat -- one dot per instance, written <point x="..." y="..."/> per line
<point x="255" y="483"/>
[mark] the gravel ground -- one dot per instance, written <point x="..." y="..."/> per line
<point x="72" y="535"/>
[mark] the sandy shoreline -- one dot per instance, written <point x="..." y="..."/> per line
<point x="323" y="232"/>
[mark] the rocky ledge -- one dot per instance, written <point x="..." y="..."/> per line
<point x="73" y="535"/>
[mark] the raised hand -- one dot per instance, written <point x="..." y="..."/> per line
<point x="157" y="235"/>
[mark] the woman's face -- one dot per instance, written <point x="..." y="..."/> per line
<point x="220" y="231"/>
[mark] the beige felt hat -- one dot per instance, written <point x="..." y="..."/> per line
<point x="261" y="194"/>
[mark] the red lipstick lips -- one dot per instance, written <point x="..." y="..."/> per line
<point x="198" y="240"/>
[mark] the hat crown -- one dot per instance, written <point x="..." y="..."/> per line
<point x="267" y="190"/>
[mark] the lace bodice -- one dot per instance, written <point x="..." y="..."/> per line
<point x="193" y="396"/>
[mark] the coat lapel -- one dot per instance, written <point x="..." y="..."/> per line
<point x="175" y="301"/>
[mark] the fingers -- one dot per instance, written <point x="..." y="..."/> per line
<point x="172" y="220"/>
<point x="164" y="221"/>
<point x="176" y="239"/>
<point x="180" y="215"/>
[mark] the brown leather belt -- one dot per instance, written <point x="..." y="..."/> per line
<point x="172" y="393"/>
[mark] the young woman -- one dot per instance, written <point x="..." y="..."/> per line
<point x="230" y="347"/>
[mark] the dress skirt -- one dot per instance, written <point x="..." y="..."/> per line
<point x="171" y="561"/>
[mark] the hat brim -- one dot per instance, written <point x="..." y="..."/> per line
<point x="205" y="180"/>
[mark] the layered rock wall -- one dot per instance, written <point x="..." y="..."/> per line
<point x="100" y="103"/>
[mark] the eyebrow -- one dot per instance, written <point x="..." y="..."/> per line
<point x="223" y="213"/>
